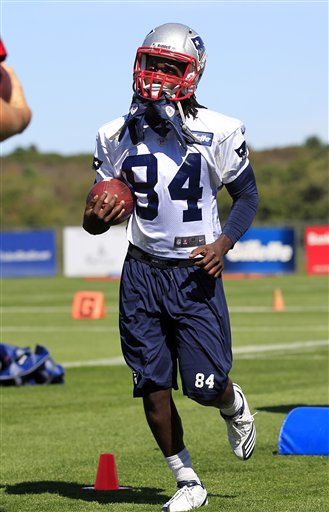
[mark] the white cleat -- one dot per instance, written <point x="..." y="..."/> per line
<point x="190" y="495"/>
<point x="241" y="429"/>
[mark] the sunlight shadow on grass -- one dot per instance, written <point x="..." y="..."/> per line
<point x="285" y="408"/>
<point x="73" y="490"/>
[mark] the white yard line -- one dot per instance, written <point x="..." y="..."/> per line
<point x="287" y="309"/>
<point x="282" y="328"/>
<point x="248" y="349"/>
<point x="113" y="361"/>
<point x="294" y="345"/>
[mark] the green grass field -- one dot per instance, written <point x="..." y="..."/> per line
<point x="52" y="436"/>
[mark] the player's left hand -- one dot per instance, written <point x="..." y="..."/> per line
<point x="213" y="255"/>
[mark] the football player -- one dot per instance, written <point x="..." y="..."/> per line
<point x="176" y="155"/>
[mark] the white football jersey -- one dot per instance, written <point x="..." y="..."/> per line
<point x="175" y="190"/>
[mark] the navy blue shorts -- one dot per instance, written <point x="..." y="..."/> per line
<point x="170" y="316"/>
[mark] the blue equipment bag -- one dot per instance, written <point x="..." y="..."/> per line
<point x="305" y="431"/>
<point x="20" y="366"/>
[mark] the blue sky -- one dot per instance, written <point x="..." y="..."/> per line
<point x="267" y="65"/>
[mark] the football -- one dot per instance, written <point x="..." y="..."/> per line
<point x="5" y="84"/>
<point x="114" y="186"/>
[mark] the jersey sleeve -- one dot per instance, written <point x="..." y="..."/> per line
<point x="233" y="156"/>
<point x="101" y="162"/>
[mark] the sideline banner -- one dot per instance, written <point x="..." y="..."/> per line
<point x="317" y="249"/>
<point x="92" y="256"/>
<point x="28" y="253"/>
<point x="263" y="251"/>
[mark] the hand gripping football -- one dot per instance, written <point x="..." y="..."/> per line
<point x="114" y="186"/>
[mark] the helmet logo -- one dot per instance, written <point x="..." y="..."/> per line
<point x="170" y="110"/>
<point x="198" y="44"/>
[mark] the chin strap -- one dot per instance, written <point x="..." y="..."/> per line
<point x="187" y="132"/>
<point x="164" y="111"/>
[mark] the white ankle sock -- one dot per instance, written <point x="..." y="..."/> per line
<point x="181" y="466"/>
<point x="235" y="407"/>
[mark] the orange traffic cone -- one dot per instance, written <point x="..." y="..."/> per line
<point x="278" y="302"/>
<point x="106" y="478"/>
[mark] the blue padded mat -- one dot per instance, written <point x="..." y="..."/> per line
<point x="305" y="431"/>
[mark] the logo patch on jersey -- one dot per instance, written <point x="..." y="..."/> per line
<point x="189" y="241"/>
<point x="96" y="163"/>
<point x="133" y="109"/>
<point x="204" y="138"/>
<point x="170" y="110"/>
<point x="242" y="150"/>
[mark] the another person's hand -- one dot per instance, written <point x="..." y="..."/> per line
<point x="15" y="115"/>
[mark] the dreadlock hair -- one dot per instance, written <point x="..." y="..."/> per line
<point x="190" y="106"/>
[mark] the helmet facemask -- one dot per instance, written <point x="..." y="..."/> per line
<point x="151" y="83"/>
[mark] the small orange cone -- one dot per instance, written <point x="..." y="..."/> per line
<point x="88" y="305"/>
<point x="106" y="478"/>
<point x="278" y="302"/>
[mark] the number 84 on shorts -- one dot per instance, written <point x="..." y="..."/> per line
<point x="201" y="380"/>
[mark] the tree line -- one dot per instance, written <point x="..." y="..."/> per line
<point x="42" y="190"/>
